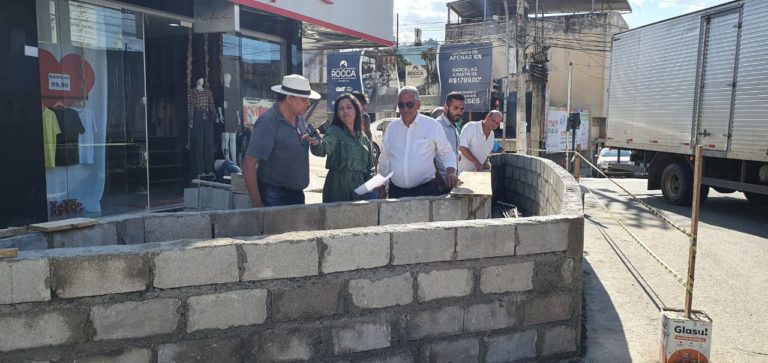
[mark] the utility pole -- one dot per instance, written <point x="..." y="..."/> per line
<point x="520" y="34"/>
<point x="506" y="84"/>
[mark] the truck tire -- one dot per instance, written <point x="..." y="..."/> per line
<point x="756" y="198"/>
<point x="677" y="184"/>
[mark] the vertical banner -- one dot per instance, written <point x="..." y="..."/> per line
<point x="344" y="75"/>
<point x="466" y="68"/>
<point x="380" y="79"/>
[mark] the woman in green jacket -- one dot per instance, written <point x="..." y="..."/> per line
<point x="348" y="152"/>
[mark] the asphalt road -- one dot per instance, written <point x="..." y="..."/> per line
<point x="625" y="288"/>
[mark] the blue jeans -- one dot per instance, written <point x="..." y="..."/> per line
<point x="272" y="195"/>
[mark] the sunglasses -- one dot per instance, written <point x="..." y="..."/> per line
<point x="406" y="105"/>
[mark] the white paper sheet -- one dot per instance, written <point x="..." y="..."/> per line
<point x="373" y="183"/>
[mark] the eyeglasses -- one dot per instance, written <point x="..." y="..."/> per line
<point x="404" y="105"/>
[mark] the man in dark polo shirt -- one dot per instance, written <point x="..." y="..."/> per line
<point x="276" y="165"/>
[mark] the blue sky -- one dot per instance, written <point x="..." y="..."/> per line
<point x="431" y="15"/>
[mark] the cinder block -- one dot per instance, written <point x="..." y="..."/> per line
<point x="293" y="218"/>
<point x="135" y="319"/>
<point x="507" y="278"/>
<point x="419" y="246"/>
<point x="511" y="347"/>
<point x="284" y="345"/>
<point x="280" y="259"/>
<point x="205" y="198"/>
<point x="433" y="323"/>
<point x="239" y="223"/>
<point x="547" y="309"/>
<point x="209" y="350"/>
<point x="450" y="209"/>
<point x="576" y="238"/>
<point x="360" y="337"/>
<point x="130" y="355"/>
<point x="480" y="207"/>
<point x="560" y="339"/>
<point x="312" y="301"/>
<point x="222" y="199"/>
<point x="390" y="291"/>
<point x="26" y="242"/>
<point x="193" y="266"/>
<point x="355" y="251"/>
<point x="443" y="283"/>
<point x="228" y="309"/>
<point x="176" y="226"/>
<point x="93" y="275"/>
<point x="485" y="241"/>
<point x="404" y="211"/>
<point x="30" y="330"/>
<point x="498" y="314"/>
<point x="24" y="280"/>
<point x="96" y="235"/>
<point x="130" y="231"/>
<point x="462" y="350"/>
<point x="191" y="200"/>
<point x="241" y="201"/>
<point x="351" y="215"/>
<point x="541" y="237"/>
<point x="399" y="358"/>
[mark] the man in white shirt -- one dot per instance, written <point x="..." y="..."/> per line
<point x="410" y="146"/>
<point x="450" y="121"/>
<point x="476" y="142"/>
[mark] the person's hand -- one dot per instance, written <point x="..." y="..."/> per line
<point x="452" y="180"/>
<point x="311" y="140"/>
<point x="256" y="203"/>
<point x="479" y="166"/>
<point x="382" y="192"/>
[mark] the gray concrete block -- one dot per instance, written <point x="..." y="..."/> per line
<point x="227" y="309"/>
<point x="480" y="207"/>
<point x="284" y="345"/>
<point x="239" y="223"/>
<point x="129" y="355"/>
<point x="542" y="237"/>
<point x="131" y="231"/>
<point x="453" y="351"/>
<point x="191" y="198"/>
<point x="40" y="329"/>
<point x="351" y="215"/>
<point x="443" y="283"/>
<point x="360" y="337"/>
<point x="485" y="241"/>
<point x="547" y="309"/>
<point x="560" y="339"/>
<point x="204" y="198"/>
<point x="222" y="199"/>
<point x="194" y="266"/>
<point x="498" y="314"/>
<point x="93" y="275"/>
<point x="404" y="211"/>
<point x="241" y="201"/>
<point x="347" y="252"/>
<point x="24" y="281"/>
<point x="450" y="209"/>
<point x="25" y="242"/>
<point x="312" y="301"/>
<point x="209" y="350"/>
<point x="510" y="347"/>
<point x="390" y="291"/>
<point x="135" y="319"/>
<point x="293" y="218"/>
<point x="437" y="322"/>
<point x="419" y="246"/>
<point x="507" y="278"/>
<point x="269" y="259"/>
<point x="399" y="358"/>
<point x="96" y="235"/>
<point x="176" y="226"/>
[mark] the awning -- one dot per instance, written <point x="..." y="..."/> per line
<point x="483" y="9"/>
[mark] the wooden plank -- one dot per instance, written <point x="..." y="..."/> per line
<point x="12" y="231"/>
<point x="63" y="224"/>
<point x="474" y="183"/>
<point x="9" y="252"/>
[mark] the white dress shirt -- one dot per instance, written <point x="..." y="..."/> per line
<point x="474" y="139"/>
<point x="409" y="152"/>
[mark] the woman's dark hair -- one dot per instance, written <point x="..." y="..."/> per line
<point x="358" y="111"/>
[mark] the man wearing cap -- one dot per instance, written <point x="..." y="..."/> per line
<point x="410" y="146"/>
<point x="276" y="165"/>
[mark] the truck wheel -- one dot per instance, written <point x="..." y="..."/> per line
<point x="755" y="198"/>
<point x="677" y="184"/>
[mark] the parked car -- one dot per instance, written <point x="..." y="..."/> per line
<point x="607" y="157"/>
<point x="377" y="133"/>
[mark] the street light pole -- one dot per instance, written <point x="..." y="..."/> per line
<point x="506" y="83"/>
<point x="521" y="138"/>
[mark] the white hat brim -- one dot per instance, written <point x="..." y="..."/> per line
<point x="312" y="94"/>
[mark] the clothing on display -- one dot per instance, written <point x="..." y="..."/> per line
<point x="202" y="115"/>
<point x="67" y="142"/>
<point x="50" y="131"/>
<point x="86" y="139"/>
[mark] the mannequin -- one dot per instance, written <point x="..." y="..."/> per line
<point x="202" y="115"/>
<point x="231" y="115"/>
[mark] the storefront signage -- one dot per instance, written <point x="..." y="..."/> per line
<point x="253" y="108"/>
<point x="558" y="137"/>
<point x="466" y="68"/>
<point x="58" y="82"/>
<point x="343" y="75"/>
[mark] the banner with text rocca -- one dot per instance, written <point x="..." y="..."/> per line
<point x="466" y="68"/>
<point x="344" y="75"/>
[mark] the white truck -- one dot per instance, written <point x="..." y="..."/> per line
<point x="697" y="79"/>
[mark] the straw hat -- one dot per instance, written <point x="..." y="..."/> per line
<point x="296" y="85"/>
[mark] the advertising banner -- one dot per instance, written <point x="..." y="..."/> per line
<point x="380" y="79"/>
<point x="343" y="75"/>
<point x="466" y="68"/>
<point x="558" y="137"/>
<point x="253" y="108"/>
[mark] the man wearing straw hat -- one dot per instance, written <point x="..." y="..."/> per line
<point x="276" y="166"/>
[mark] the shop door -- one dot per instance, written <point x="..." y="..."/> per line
<point x="93" y="97"/>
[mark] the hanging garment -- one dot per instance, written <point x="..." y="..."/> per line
<point x="50" y="131"/>
<point x="67" y="149"/>
<point x="86" y="139"/>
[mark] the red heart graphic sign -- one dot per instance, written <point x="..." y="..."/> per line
<point x="66" y="81"/>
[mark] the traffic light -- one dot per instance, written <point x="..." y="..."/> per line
<point x="574" y="120"/>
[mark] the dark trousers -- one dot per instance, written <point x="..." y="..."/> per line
<point x="272" y="195"/>
<point x="427" y="189"/>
